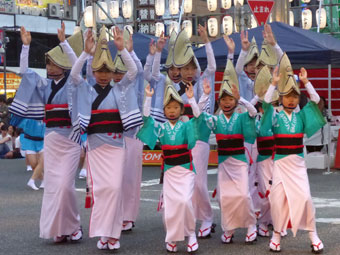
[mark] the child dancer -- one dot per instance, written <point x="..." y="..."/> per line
<point x="177" y="139"/>
<point x="40" y="98"/>
<point x="232" y="130"/>
<point x="106" y="112"/>
<point x="290" y="197"/>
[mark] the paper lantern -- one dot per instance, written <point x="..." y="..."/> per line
<point x="305" y="1"/>
<point x="212" y="5"/>
<point x="213" y="27"/>
<point x="187" y="6"/>
<point x="159" y="29"/>
<point x="291" y="1"/>
<point x="129" y="28"/>
<point x="306" y="19"/>
<point x="291" y="18"/>
<point x="114" y="9"/>
<point x="173" y="26"/>
<point x="240" y="2"/>
<point x="226" y="4"/>
<point x="127" y="9"/>
<point x="227" y="24"/>
<point x="101" y="14"/>
<point x="160" y="7"/>
<point x="88" y="16"/>
<point x="187" y="26"/>
<point x="323" y="18"/>
<point x="173" y="7"/>
<point x="253" y="22"/>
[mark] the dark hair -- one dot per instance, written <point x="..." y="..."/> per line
<point x="18" y="131"/>
<point x="4" y="128"/>
<point x="2" y="99"/>
<point x="172" y="100"/>
<point x="258" y="106"/>
<point x="9" y="100"/>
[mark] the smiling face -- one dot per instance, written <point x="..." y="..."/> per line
<point x="103" y="76"/>
<point x="54" y="72"/>
<point x="250" y="68"/>
<point x="227" y="104"/>
<point x="173" y="110"/>
<point x="174" y="74"/>
<point x="290" y="101"/>
<point x="188" y="72"/>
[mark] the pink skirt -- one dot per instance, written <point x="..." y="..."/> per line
<point x="59" y="211"/>
<point x="105" y="167"/>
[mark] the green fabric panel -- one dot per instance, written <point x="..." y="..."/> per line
<point x="312" y="118"/>
<point x="148" y="133"/>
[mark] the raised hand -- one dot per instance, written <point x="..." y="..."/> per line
<point x="235" y="92"/>
<point x="129" y="44"/>
<point x="149" y="92"/>
<point x="61" y="33"/>
<point x="161" y="43"/>
<point x="118" y="38"/>
<point x="152" y="47"/>
<point x="189" y="91"/>
<point x="303" y="76"/>
<point x="25" y="36"/>
<point x="268" y="35"/>
<point x="244" y="40"/>
<point x="206" y="86"/>
<point x="230" y="43"/>
<point x="89" y="43"/>
<point x="202" y="30"/>
<point x="276" y="76"/>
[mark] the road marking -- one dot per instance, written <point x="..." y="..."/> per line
<point x="150" y="183"/>
<point x="326" y="202"/>
<point x="335" y="221"/>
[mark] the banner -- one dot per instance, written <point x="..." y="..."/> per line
<point x="12" y="81"/>
<point x="38" y="3"/>
<point x="154" y="158"/>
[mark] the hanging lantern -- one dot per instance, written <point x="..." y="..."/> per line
<point x="306" y="19"/>
<point x="88" y="16"/>
<point x="213" y="27"/>
<point x="291" y="1"/>
<point x="114" y="9"/>
<point x="129" y="28"/>
<point x="227" y="24"/>
<point x="159" y="29"/>
<point x="253" y="22"/>
<point x="173" y="26"/>
<point x="226" y="4"/>
<point x="240" y="2"/>
<point x="323" y="18"/>
<point x="101" y="14"/>
<point x="305" y="1"/>
<point x="187" y="25"/>
<point x="291" y="18"/>
<point x="160" y="7"/>
<point x="127" y="9"/>
<point x="173" y="7"/>
<point x="187" y="6"/>
<point x="212" y="5"/>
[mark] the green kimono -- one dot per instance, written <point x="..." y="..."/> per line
<point x="230" y="135"/>
<point x="289" y="133"/>
<point x="176" y="142"/>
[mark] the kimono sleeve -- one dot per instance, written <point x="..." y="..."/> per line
<point x="204" y="124"/>
<point x="150" y="131"/>
<point x="248" y="128"/>
<point x="267" y="118"/>
<point x="190" y="133"/>
<point x="312" y="118"/>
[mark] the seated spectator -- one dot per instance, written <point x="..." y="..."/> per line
<point x="5" y="141"/>
<point x="15" y="153"/>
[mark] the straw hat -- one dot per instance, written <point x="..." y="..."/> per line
<point x="183" y="52"/>
<point x="267" y="55"/>
<point x="229" y="79"/>
<point x="169" y="59"/>
<point x="102" y="56"/>
<point x="287" y="82"/>
<point x="253" y="51"/>
<point x="170" y="92"/>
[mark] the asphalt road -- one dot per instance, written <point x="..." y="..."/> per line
<point x="20" y="212"/>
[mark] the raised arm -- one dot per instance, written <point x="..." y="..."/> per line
<point x="231" y="46"/>
<point x="147" y="103"/>
<point x="157" y="60"/>
<point x="314" y="96"/>
<point x="275" y="80"/>
<point x="202" y="30"/>
<point x="189" y="91"/>
<point x="26" y="40"/>
<point x="149" y="61"/>
<point x="269" y="36"/>
<point x="65" y="45"/>
<point x="243" y="54"/>
<point x="130" y="49"/>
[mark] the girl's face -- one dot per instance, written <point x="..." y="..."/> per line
<point x="11" y="130"/>
<point x="117" y="76"/>
<point x="250" y="68"/>
<point x="174" y="74"/>
<point x="54" y="72"/>
<point x="290" y="101"/>
<point x="227" y="104"/>
<point x="188" y="72"/>
<point x="173" y="111"/>
<point x="103" y="77"/>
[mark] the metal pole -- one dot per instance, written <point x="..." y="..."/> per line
<point x="94" y="15"/>
<point x="5" y="64"/>
<point x="107" y="15"/>
<point x="180" y="16"/>
<point x="320" y="5"/>
<point x="330" y="115"/>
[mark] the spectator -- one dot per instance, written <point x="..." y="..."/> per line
<point x="15" y="153"/>
<point x="5" y="141"/>
<point x="4" y="115"/>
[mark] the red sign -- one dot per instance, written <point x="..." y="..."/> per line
<point x="261" y="10"/>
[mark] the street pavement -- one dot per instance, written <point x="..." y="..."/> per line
<point x="20" y="212"/>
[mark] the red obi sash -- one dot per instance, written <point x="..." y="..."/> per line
<point x="57" y="115"/>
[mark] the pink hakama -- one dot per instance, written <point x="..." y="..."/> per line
<point x="265" y="175"/>
<point x="236" y="205"/>
<point x="290" y="197"/>
<point x="179" y="214"/>
<point x="59" y="211"/>
<point x="201" y="199"/>
<point x="132" y="178"/>
<point x="105" y="165"/>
